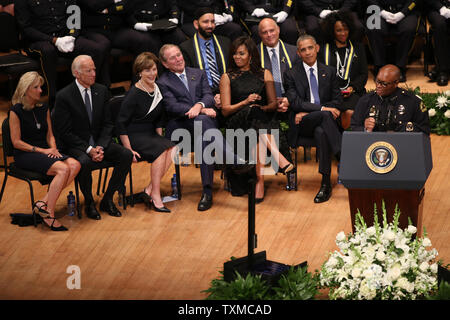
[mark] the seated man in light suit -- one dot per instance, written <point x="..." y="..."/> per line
<point x="84" y="126"/>
<point x="314" y="99"/>
<point x="188" y="99"/>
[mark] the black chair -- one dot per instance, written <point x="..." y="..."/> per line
<point x="12" y="170"/>
<point x="307" y="144"/>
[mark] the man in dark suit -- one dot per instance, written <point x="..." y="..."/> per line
<point x="188" y="100"/>
<point x="314" y="99"/>
<point x="44" y="25"/>
<point x="84" y="126"/>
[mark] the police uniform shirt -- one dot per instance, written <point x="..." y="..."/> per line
<point x="402" y="111"/>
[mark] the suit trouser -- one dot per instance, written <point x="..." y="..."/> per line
<point x="119" y="156"/>
<point x="405" y="30"/>
<point x="441" y="33"/>
<point x="323" y="128"/>
<point x="88" y="43"/>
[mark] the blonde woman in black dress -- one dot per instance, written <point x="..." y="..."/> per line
<point x="35" y="148"/>
<point x="140" y="122"/>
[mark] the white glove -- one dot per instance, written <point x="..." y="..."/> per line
<point x="259" y="12"/>
<point x="228" y="17"/>
<point x="65" y="44"/>
<point x="324" y="13"/>
<point x="115" y="1"/>
<point x="219" y="19"/>
<point x="386" y="15"/>
<point x="445" y="12"/>
<point x="142" y="26"/>
<point x="280" y="16"/>
<point x="397" y="17"/>
<point x="174" y="20"/>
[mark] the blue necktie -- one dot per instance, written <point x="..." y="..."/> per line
<point x="276" y="73"/>
<point x="314" y="86"/>
<point x="213" y="71"/>
<point x="87" y="103"/>
<point x="183" y="78"/>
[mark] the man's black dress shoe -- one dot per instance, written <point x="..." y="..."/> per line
<point x="205" y="202"/>
<point x="91" y="211"/>
<point x="442" y="79"/>
<point x="324" y="194"/>
<point x="109" y="206"/>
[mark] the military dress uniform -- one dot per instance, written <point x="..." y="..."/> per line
<point x="310" y="11"/>
<point x="148" y="11"/>
<point x="402" y="111"/>
<point x="405" y="30"/>
<point x="288" y="28"/>
<point x="43" y="20"/>
<point x="230" y="29"/>
<point x="109" y="19"/>
<point x="441" y="31"/>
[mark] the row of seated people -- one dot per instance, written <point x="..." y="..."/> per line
<point x="182" y="98"/>
<point x="49" y="29"/>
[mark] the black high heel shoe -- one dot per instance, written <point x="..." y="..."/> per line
<point x="161" y="209"/>
<point x="147" y="199"/>
<point x="60" y="228"/>
<point x="38" y="210"/>
<point x="289" y="167"/>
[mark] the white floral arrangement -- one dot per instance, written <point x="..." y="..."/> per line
<point x="380" y="262"/>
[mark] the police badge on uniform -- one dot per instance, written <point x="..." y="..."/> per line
<point x="381" y="157"/>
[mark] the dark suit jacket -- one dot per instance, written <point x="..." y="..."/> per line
<point x="71" y="119"/>
<point x="296" y="86"/>
<point x="177" y="99"/>
<point x="284" y="65"/>
<point x="190" y="53"/>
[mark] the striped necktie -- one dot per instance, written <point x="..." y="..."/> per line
<point x="276" y="73"/>
<point x="213" y="71"/>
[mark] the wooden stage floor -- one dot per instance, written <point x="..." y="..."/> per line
<point x="149" y="255"/>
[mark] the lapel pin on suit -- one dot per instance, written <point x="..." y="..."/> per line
<point x="283" y="60"/>
<point x="193" y="78"/>
<point x="324" y="75"/>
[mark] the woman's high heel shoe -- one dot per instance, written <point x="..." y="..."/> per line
<point x="39" y="209"/>
<point x="161" y="209"/>
<point x="287" y="168"/>
<point x="147" y="199"/>
<point x="60" y="228"/>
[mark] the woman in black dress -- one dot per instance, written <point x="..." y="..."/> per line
<point x="140" y="122"/>
<point x="35" y="148"/>
<point x="249" y="101"/>
<point x="349" y="59"/>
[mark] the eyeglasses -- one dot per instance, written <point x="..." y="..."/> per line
<point x="384" y="84"/>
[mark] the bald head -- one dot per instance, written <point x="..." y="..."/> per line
<point x="387" y="80"/>
<point x="269" y="32"/>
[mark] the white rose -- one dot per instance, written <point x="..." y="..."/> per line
<point x="431" y="112"/>
<point x="380" y="256"/>
<point x="447" y="93"/>
<point x="434" y="266"/>
<point x="368" y="273"/>
<point x="394" y="272"/>
<point x="340" y="236"/>
<point x="356" y="272"/>
<point x="423" y="266"/>
<point x="389" y="235"/>
<point x="403" y="283"/>
<point x="447" y="114"/>
<point x="412" y="229"/>
<point x="332" y="262"/>
<point x="426" y="242"/>
<point x="371" y="231"/>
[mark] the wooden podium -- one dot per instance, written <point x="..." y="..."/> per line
<point x="385" y="166"/>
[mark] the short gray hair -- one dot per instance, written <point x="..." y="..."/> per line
<point x="163" y="50"/>
<point x="76" y="64"/>
<point x="304" y="37"/>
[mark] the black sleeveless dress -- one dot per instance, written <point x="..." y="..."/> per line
<point x="33" y="130"/>
<point x="140" y="125"/>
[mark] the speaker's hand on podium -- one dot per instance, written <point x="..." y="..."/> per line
<point x="369" y="124"/>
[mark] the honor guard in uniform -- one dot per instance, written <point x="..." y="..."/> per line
<point x="148" y="11"/>
<point x="225" y="17"/>
<point x="280" y="10"/>
<point x="108" y="18"/>
<point x="316" y="10"/>
<point x="398" y="17"/>
<point x="439" y="17"/>
<point x="390" y="108"/>
<point x="44" y="25"/>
